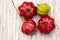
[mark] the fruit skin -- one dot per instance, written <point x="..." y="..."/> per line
<point x="46" y="24"/>
<point x="28" y="27"/>
<point x="27" y="10"/>
<point x="43" y="9"/>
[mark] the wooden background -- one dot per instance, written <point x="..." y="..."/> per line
<point x="10" y="22"/>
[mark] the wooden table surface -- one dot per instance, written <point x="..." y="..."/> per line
<point x="10" y="22"/>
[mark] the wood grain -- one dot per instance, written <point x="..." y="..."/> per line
<point x="10" y="22"/>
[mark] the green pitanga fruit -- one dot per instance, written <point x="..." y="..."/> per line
<point x="43" y="9"/>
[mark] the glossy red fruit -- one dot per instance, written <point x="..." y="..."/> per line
<point x="28" y="27"/>
<point x="46" y="24"/>
<point x="27" y="10"/>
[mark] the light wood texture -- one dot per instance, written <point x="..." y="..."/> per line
<point x="10" y="22"/>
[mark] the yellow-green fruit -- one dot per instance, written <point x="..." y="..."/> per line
<point x="43" y="9"/>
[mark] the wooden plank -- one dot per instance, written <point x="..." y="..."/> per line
<point x="10" y="22"/>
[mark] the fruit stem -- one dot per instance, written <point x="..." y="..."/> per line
<point x="17" y="10"/>
<point x="37" y="4"/>
<point x="57" y="26"/>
